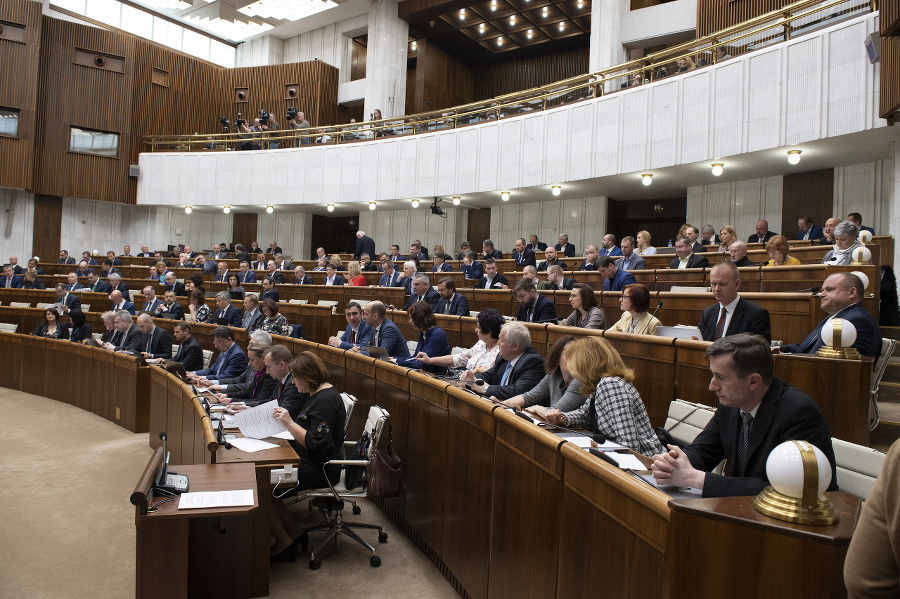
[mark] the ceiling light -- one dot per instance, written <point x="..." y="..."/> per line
<point x="493" y="4"/>
<point x="557" y="189"/>
<point x="330" y="207"/>
<point x="415" y="202"/>
<point x="225" y="20"/>
<point x="269" y="209"/>
<point x="371" y="205"/>
<point x="529" y="34"/>
<point x="580" y="4"/>
<point x="504" y="195"/>
<point x="546" y="9"/>
<point x="646" y="178"/>
<point x="512" y="20"/>
<point x="289" y="10"/>
<point x="499" y="41"/>
<point x="481" y="28"/>
<point x="793" y="156"/>
<point x="456" y="200"/>
<point x="462" y="14"/>
<point x="717" y="169"/>
<point x="413" y="44"/>
<point x="188" y="209"/>
<point x="226" y="209"/>
<point x="561" y="26"/>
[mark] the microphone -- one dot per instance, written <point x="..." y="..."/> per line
<point x="596" y="437"/>
<point x="658" y="306"/>
<point x="810" y="290"/>
<point x="220" y="435"/>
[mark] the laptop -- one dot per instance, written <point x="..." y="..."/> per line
<point x="176" y="368"/>
<point x="378" y="352"/>
<point x="680" y="332"/>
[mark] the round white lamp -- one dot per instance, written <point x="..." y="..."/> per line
<point x="865" y="236"/>
<point x="862" y="277"/>
<point x="839" y="335"/>
<point x="861" y="255"/>
<point x="799" y="473"/>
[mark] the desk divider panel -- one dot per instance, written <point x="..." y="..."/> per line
<point x="175" y="430"/>
<point x="81" y="383"/>
<point x="103" y="390"/>
<point x="692" y="374"/>
<point x="392" y="394"/>
<point x="11" y="359"/>
<point x="360" y="382"/>
<point x="160" y="400"/>
<point x="34" y="379"/>
<point x="58" y="366"/>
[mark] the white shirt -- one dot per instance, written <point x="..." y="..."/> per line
<point x="683" y="262"/>
<point x="729" y="312"/>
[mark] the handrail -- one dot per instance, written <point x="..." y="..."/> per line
<point x="737" y="39"/>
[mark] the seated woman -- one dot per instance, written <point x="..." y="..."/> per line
<point x="727" y="235"/>
<point x="635" y="318"/>
<point x="586" y="314"/>
<point x="357" y="279"/>
<point x="197" y="279"/>
<point x="109" y="321"/>
<point x="846" y="239"/>
<point x="644" y="247"/>
<point x="559" y="389"/>
<point x="80" y="329"/>
<point x="318" y="434"/>
<point x="432" y="339"/>
<point x="234" y="287"/>
<point x="440" y="262"/>
<point x="275" y="322"/>
<point x="481" y="356"/>
<point x="262" y="386"/>
<point x="198" y="311"/>
<point x="337" y="264"/>
<point x="52" y="327"/>
<point x="614" y="408"/>
<point x="158" y="271"/>
<point x="778" y="248"/>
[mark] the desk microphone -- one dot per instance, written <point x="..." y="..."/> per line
<point x="658" y="306"/>
<point x="220" y="435"/>
<point x="599" y="438"/>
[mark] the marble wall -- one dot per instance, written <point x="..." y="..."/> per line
<point x="582" y="219"/>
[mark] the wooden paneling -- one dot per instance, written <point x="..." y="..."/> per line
<point x="441" y="80"/>
<point x="19" y="89"/>
<point x="479" y="229"/>
<point x="889" y="92"/>
<point x="243" y="229"/>
<point x="806" y="194"/>
<point x="714" y="15"/>
<point x="500" y="78"/>
<point x="889" y="18"/>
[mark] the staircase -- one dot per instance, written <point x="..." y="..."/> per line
<point x="888" y="430"/>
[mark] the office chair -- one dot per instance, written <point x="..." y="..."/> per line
<point x="887" y="350"/>
<point x="330" y="500"/>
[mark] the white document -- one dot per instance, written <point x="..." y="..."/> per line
<point x="258" y="422"/>
<point x="251" y="445"/>
<point x="627" y="461"/>
<point x="210" y="499"/>
<point x="285" y="435"/>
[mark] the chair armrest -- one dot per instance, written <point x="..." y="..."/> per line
<point x="348" y="462"/>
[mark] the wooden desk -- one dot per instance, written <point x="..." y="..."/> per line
<point x="203" y="552"/>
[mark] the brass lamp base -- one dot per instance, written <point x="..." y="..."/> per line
<point x="856" y="263"/>
<point x="847" y="353"/>
<point x="789" y="509"/>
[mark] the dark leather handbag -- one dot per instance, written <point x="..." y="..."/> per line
<point x="385" y="472"/>
<point x="353" y="474"/>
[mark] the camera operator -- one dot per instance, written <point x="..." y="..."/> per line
<point x="273" y="126"/>
<point x="300" y="122"/>
<point x="240" y="126"/>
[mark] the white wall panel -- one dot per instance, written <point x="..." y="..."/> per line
<point x="18" y="205"/>
<point x="583" y="219"/>
<point x="664" y="121"/>
<point x="531" y="167"/>
<point x="802" y="111"/>
<point x="728" y="108"/>
<point x="865" y="188"/>
<point x="466" y="161"/>
<point x="510" y="153"/>
<point x="693" y="138"/>
<point x="736" y="203"/>
<point x="488" y="157"/>
<point x="764" y="122"/>
<point x="581" y="126"/>
<point x="848" y="70"/>
<point x="633" y="134"/>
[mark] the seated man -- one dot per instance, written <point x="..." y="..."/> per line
<point x="591" y="258"/>
<point x="190" y="352"/>
<point x="273" y="273"/>
<point x="331" y="277"/>
<point x="563" y="246"/>
<point x="556" y="280"/>
<point x="32" y="281"/>
<point x="231" y="360"/>
<point x="523" y="255"/>
<point x="757" y="411"/>
<point x="451" y="303"/>
<point x="72" y="283"/>
<point x="10" y="280"/>
<point x="357" y="333"/>
<point x="222" y="272"/>
<point x="301" y="278"/>
<point x="129" y="334"/>
<point x="268" y="290"/>
<point x="518" y="368"/>
<point x="686" y="258"/>
<point x="422" y="291"/>
<point x="245" y="275"/>
<point x="384" y="332"/>
<point x="615" y="278"/>
<point x="733" y="314"/>
<point x="440" y="263"/>
<point x="120" y="303"/>
<point x="391" y="277"/>
<point x="630" y="260"/>
<point x="155" y="342"/>
<point x="738" y="251"/>
<point x="151" y="302"/>
<point x="171" y="282"/>
<point x="69" y="301"/>
<point x="841" y="297"/>
<point x="226" y="314"/>
<point x="807" y="230"/>
<point x="463" y="248"/>
<point x="170" y="306"/>
<point x="406" y="279"/>
<point x="253" y="316"/>
<point x="551" y="259"/>
<point x="83" y="269"/>
<point x="609" y="246"/>
<point x="693" y="233"/>
<point x="96" y="284"/>
<point x="473" y="268"/>
<point x="107" y="269"/>
<point x="533" y="307"/>
<point x="492" y="279"/>
<point x="254" y="383"/>
<point x="763" y="234"/>
<point x="206" y="267"/>
<point x="488" y="251"/>
<point x="366" y="264"/>
<point x="535" y="245"/>
<point x="115" y="282"/>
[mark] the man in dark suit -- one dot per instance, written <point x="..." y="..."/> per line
<point x="732" y="314"/>
<point x="174" y="284"/>
<point x="33" y="263"/>
<point x="856" y="218"/>
<point x="96" y="284"/>
<point x="763" y="234"/>
<point x="89" y="259"/>
<point x="492" y="279"/>
<point x="231" y="361"/>
<point x="190" y="352"/>
<point x="245" y="275"/>
<point x="158" y="257"/>
<point x="116" y="284"/>
<point x="523" y="255"/>
<point x="615" y="278"/>
<point x="14" y="262"/>
<point x="70" y="302"/>
<point x="170" y="306"/>
<point x="301" y="278"/>
<point x="390" y="276"/>
<point x="463" y="248"/>
<point x="145" y="252"/>
<point x="220" y="252"/>
<point x="841" y="297"/>
<point x="396" y="256"/>
<point x="226" y="314"/>
<point x="738" y="251"/>
<point x="422" y="291"/>
<point x="129" y="337"/>
<point x="551" y="258"/>
<point x="268" y="290"/>
<point x="273" y="273"/>
<point x="221" y="272"/>
<point x="686" y="258"/>
<point x="757" y="412"/>
<point x="564" y="247"/>
<point x="451" y="302"/>
<point x="274" y="249"/>
<point x="488" y="251"/>
<point x="535" y="245"/>
<point x="10" y="280"/>
<point x="241" y="253"/>
<point x="206" y="267"/>
<point x="472" y="268"/>
<point x="416" y="252"/>
<point x="253" y="316"/>
<point x="184" y="261"/>
<point x="120" y="303"/>
<point x="693" y="235"/>
<point x="609" y="246"/>
<point x="358" y="332"/>
<point x="151" y="302"/>
<point x="64" y="258"/>
<point x="384" y="332"/>
<point x="277" y="361"/>
<point x="156" y="342"/>
<point x="83" y="269"/>
<point x="533" y="307"/>
<point x="556" y="280"/>
<point x="591" y="258"/>
<point x="331" y="277"/>
<point x="807" y="230"/>
<point x="260" y="262"/>
<point x="518" y="368"/>
<point x="72" y="283"/>
<point x="366" y="264"/>
<point x="364" y="245"/>
<point x="708" y="236"/>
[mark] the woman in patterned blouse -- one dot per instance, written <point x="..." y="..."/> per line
<point x="481" y="356"/>
<point x="275" y="322"/>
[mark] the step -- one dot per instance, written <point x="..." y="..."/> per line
<point x="891" y="332"/>
<point x="884" y="435"/>
<point x="892" y="372"/>
<point x="889" y="393"/>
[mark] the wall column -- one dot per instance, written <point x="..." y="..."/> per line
<point x="606" y="34"/>
<point x="386" y="60"/>
<point x="894" y="210"/>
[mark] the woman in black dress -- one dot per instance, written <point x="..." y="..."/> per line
<point x="52" y="327"/>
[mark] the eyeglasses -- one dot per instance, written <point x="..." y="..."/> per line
<point x="624" y="297"/>
<point x="522" y="297"/>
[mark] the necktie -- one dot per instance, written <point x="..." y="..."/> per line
<point x="744" y="441"/>
<point x="8" y="282"/>
<point x="447" y="307"/>
<point x="506" y="372"/>
<point x="375" y="337"/>
<point x="352" y="336"/>
<point x="720" y="326"/>
<point x="149" y="342"/>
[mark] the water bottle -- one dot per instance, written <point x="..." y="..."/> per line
<point x="670" y="243"/>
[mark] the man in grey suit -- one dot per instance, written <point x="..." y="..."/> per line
<point x="630" y="260"/>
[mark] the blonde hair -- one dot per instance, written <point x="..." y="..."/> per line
<point x="353" y="268"/>
<point x="645" y="235"/>
<point x="593" y="358"/>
